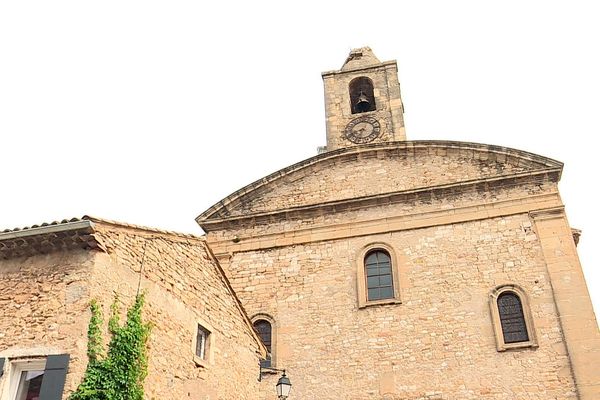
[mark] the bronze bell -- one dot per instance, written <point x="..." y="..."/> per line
<point x="363" y="104"/>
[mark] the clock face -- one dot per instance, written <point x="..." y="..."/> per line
<point x="362" y="130"/>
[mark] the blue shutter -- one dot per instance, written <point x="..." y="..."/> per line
<point x="54" y="377"/>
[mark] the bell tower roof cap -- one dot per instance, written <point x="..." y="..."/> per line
<point x="360" y="58"/>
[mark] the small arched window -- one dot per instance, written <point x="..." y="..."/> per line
<point x="362" y="97"/>
<point x="378" y="271"/>
<point x="265" y="332"/>
<point x="511" y="317"/>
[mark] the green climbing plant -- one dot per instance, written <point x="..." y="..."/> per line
<point x="118" y="375"/>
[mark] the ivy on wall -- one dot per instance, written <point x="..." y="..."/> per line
<point x="118" y="375"/>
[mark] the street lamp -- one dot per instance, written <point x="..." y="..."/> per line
<point x="283" y="385"/>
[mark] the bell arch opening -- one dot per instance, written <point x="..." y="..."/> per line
<point x="362" y="98"/>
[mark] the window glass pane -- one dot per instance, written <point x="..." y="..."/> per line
<point x="512" y="319"/>
<point x="266" y="363"/>
<point x="385" y="293"/>
<point x="30" y="384"/>
<point x="371" y="258"/>
<point x="385" y="280"/>
<point x="201" y="341"/>
<point x="373" y="281"/>
<point x="384" y="271"/>
<point x="263" y="328"/>
<point x="384" y="265"/>
<point x="373" y="294"/>
<point x="383" y="258"/>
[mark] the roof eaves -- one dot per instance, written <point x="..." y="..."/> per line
<point x="72" y="225"/>
<point x="49" y="237"/>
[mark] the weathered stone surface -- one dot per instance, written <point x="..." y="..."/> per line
<point x="439" y="343"/>
<point x="184" y="286"/>
<point x="454" y="243"/>
<point x="45" y="302"/>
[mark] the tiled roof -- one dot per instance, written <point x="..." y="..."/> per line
<point x="64" y="221"/>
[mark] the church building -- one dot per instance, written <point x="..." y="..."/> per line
<point x="381" y="268"/>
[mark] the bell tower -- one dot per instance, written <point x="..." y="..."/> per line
<point x="362" y="101"/>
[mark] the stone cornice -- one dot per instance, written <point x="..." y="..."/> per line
<point x="382" y="65"/>
<point x="543" y="168"/>
<point x="550" y="213"/>
<point x="541" y="204"/>
<point x="405" y="196"/>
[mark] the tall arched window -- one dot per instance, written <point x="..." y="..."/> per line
<point x="511" y="317"/>
<point x="512" y="320"/>
<point x="378" y="270"/>
<point x="265" y="332"/>
<point x="362" y="98"/>
<point x="378" y="275"/>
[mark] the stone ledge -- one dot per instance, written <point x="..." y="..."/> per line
<point x="524" y="205"/>
<point x="382" y="65"/>
<point x="405" y="196"/>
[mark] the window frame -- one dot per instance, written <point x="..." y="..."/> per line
<point x="361" y="276"/>
<point x="13" y="370"/>
<point x="270" y="320"/>
<point x="209" y="344"/>
<point x="501" y="345"/>
<point x="55" y="365"/>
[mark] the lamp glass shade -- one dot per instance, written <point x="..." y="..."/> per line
<point x="283" y="387"/>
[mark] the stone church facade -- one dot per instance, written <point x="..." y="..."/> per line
<point x="379" y="269"/>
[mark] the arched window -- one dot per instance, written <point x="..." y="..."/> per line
<point x="362" y="98"/>
<point x="511" y="318"/>
<point x="378" y="270"/>
<point x="265" y="332"/>
<point x="377" y="275"/>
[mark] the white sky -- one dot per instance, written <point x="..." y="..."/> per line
<point x="149" y="112"/>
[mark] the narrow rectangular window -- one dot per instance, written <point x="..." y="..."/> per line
<point x="202" y="342"/>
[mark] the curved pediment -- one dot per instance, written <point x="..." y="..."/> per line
<point x="363" y="172"/>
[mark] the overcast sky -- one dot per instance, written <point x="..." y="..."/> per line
<point x="149" y="112"/>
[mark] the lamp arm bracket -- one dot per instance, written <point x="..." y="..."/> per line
<point x="273" y="369"/>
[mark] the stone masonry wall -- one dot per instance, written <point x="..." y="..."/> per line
<point x="44" y="303"/>
<point x="45" y="310"/>
<point x="438" y="344"/>
<point x="184" y="287"/>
